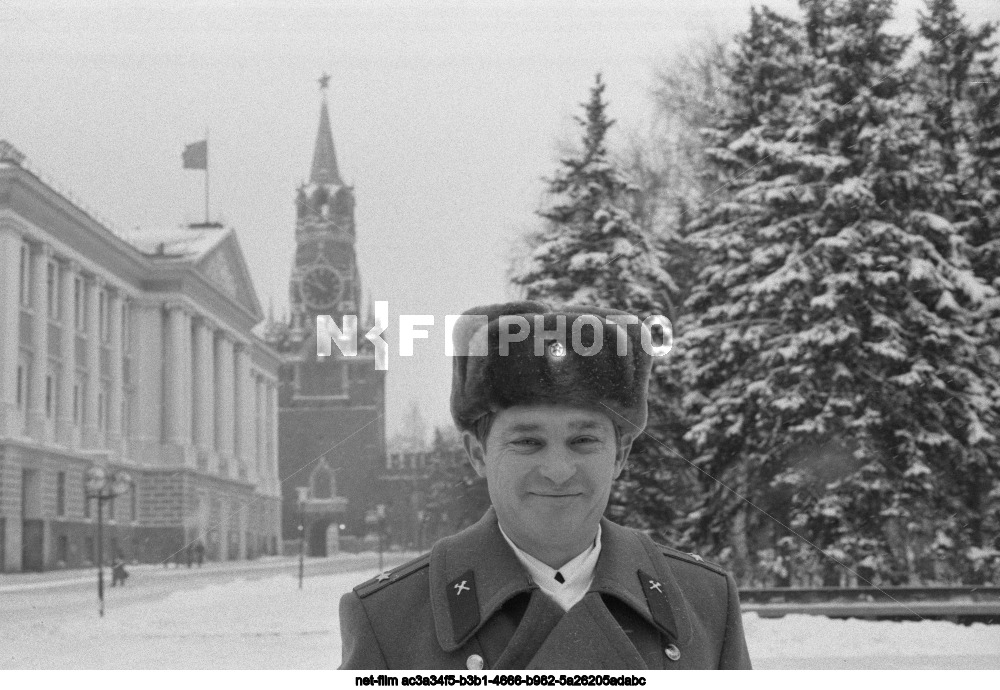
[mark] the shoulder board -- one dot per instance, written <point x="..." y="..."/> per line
<point x="389" y="577"/>
<point x="692" y="558"/>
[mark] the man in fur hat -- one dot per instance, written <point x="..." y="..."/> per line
<point x="548" y="403"/>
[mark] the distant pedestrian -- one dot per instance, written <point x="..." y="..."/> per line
<point x="118" y="572"/>
<point x="190" y="554"/>
<point x="199" y="552"/>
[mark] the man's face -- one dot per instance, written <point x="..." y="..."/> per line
<point x="549" y="472"/>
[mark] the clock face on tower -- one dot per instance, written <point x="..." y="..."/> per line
<point x="320" y="288"/>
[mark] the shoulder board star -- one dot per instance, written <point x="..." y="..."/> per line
<point x="387" y="578"/>
<point x="692" y="558"/>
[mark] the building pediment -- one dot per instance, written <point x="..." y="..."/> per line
<point x="225" y="267"/>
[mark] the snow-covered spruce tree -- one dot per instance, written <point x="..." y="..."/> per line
<point x="832" y="364"/>
<point x="591" y="250"/>
<point x="956" y="78"/>
<point x="719" y="338"/>
<point x="984" y="234"/>
<point x="958" y="86"/>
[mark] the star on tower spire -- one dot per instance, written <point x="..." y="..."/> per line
<point x="324" y="165"/>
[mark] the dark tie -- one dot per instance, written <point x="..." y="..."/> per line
<point x="560" y="579"/>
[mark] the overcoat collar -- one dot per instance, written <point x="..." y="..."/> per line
<point x="479" y="557"/>
<point x="627" y="559"/>
<point x="496" y="576"/>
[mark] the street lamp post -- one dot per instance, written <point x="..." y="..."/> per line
<point x="303" y="496"/>
<point x="103" y="486"/>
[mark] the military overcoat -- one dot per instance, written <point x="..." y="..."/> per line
<point x="469" y="603"/>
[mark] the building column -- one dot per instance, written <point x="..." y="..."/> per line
<point x="260" y="431"/>
<point x="38" y="423"/>
<point x="10" y="317"/>
<point x="115" y="393"/>
<point x="204" y="395"/>
<point x="148" y="377"/>
<point x="242" y="522"/>
<point x="65" y="424"/>
<point x="225" y="404"/>
<point x="91" y="427"/>
<point x="243" y="411"/>
<point x="272" y="459"/>
<point x="177" y="380"/>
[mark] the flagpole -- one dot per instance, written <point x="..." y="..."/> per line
<point x="206" y="177"/>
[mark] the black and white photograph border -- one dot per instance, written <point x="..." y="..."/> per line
<point x="235" y="242"/>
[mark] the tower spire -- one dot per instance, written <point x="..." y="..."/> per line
<point x="324" y="165"/>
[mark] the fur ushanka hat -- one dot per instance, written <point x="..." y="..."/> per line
<point x="550" y="364"/>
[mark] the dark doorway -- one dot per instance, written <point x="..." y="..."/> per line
<point x="33" y="545"/>
<point x="33" y="527"/>
<point x="317" y="537"/>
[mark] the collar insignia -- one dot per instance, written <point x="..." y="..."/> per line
<point x="463" y="604"/>
<point x="659" y="605"/>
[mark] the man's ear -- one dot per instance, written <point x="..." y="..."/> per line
<point x="622" y="454"/>
<point x="475" y="452"/>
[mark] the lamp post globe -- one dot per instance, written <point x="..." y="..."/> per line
<point x="95" y="479"/>
<point x="121" y="482"/>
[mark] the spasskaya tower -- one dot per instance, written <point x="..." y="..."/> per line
<point x="331" y="427"/>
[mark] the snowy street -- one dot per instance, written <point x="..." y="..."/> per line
<point x="225" y="616"/>
<point x="252" y="616"/>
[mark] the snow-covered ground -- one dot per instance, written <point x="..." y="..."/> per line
<point x="815" y="642"/>
<point x="270" y="624"/>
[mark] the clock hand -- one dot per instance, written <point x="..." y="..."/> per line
<point x="315" y="284"/>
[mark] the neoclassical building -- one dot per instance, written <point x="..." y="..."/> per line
<point x="136" y="354"/>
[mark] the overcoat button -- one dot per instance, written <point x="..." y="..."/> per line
<point x="474" y="663"/>
<point x="672" y="652"/>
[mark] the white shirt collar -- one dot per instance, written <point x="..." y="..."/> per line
<point x="578" y="573"/>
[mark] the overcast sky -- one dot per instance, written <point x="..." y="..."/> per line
<point x="445" y="116"/>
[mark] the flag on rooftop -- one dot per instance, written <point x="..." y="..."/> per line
<point x="196" y="155"/>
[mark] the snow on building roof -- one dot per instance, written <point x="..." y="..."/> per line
<point x="189" y="243"/>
